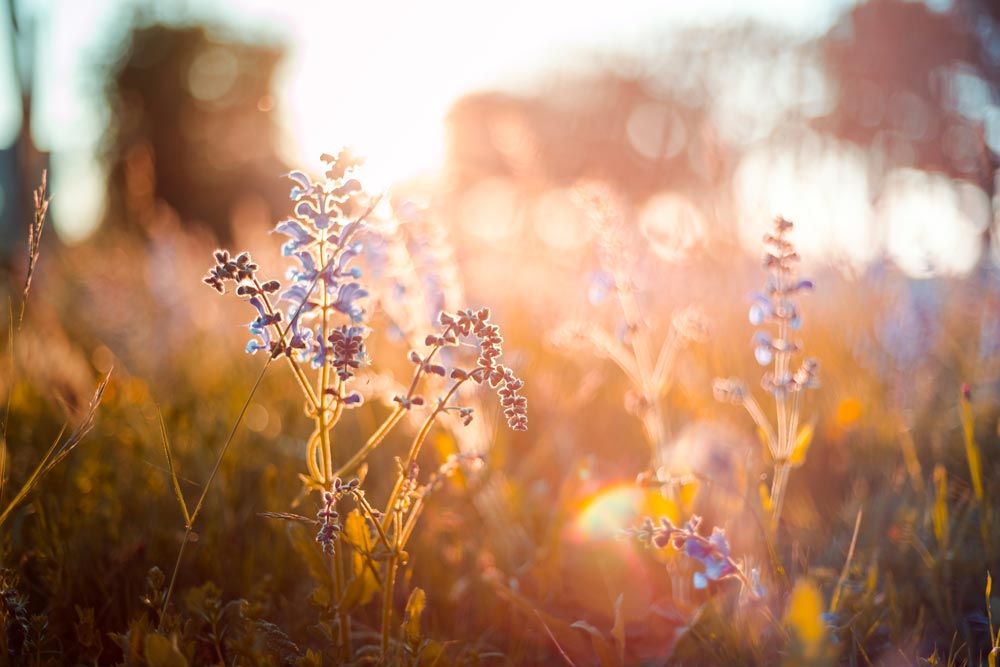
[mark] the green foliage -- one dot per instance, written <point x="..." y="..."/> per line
<point x="507" y="565"/>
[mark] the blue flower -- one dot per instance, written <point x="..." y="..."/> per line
<point x="304" y="187"/>
<point x="260" y="327"/>
<point x="760" y="310"/>
<point x="763" y="350"/>
<point x="300" y="237"/>
<point x="306" y="210"/>
<point x="346" y="296"/>
<point x="296" y="295"/>
<point x="714" y="555"/>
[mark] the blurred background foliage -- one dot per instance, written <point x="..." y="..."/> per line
<point x="877" y="130"/>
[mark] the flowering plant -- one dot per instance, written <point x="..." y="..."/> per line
<point x="776" y="306"/>
<point x="317" y="324"/>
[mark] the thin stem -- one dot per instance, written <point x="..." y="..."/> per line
<point x="370" y="513"/>
<point x="753" y="408"/>
<point x="663" y="372"/>
<point x="311" y="451"/>
<point x="411" y="520"/>
<point x="343" y="618"/>
<point x="393" y="516"/>
<point x="418" y="441"/>
<point x="296" y="368"/>
<point x="390" y="583"/>
<point x="324" y="374"/>
<point x="173" y="576"/>
<point x="778" y="486"/>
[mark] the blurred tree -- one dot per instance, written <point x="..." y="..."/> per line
<point x="916" y="86"/>
<point x="21" y="163"/>
<point x="191" y="128"/>
<point x="911" y="85"/>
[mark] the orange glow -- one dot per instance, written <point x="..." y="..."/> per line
<point x="606" y="513"/>
<point x="849" y="411"/>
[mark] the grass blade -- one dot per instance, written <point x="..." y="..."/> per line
<point x="170" y="467"/>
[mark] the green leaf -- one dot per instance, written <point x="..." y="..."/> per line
<point x="411" y="617"/>
<point x="802" y="442"/>
<point x="972" y="451"/>
<point x="804" y="620"/>
<point x="940" y="516"/>
<point x="170" y="467"/>
<point x="310" y="659"/>
<point x="163" y="652"/>
<point x="364" y="585"/>
<point x="305" y="545"/>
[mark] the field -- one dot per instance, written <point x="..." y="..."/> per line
<point x="516" y="415"/>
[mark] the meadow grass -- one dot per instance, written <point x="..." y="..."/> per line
<point x="346" y="494"/>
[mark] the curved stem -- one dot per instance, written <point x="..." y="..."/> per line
<point x="311" y="452"/>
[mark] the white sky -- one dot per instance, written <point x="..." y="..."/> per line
<point x="399" y="66"/>
<point x="403" y="62"/>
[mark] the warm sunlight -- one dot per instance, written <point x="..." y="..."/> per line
<point x="402" y="334"/>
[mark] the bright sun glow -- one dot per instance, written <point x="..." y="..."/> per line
<point x="602" y="515"/>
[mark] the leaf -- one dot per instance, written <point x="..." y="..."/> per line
<point x="411" y="617"/>
<point x="802" y="442"/>
<point x="804" y="619"/>
<point x="305" y="545"/>
<point x="940" y="516"/>
<point x="310" y="659"/>
<point x="765" y="499"/>
<point x="972" y="451"/>
<point x="131" y="641"/>
<point x="606" y="654"/>
<point x="430" y="653"/>
<point x="170" y="467"/>
<point x="163" y="652"/>
<point x="364" y="584"/>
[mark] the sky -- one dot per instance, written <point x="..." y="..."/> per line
<point x="404" y="63"/>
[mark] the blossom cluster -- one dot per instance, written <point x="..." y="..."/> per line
<point x="322" y="286"/>
<point x="327" y="516"/>
<point x="776" y="305"/>
<point x="488" y="369"/>
<point x="712" y="552"/>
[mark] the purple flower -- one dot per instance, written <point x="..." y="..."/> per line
<point x="306" y="210"/>
<point x="763" y="350"/>
<point x="304" y="187"/>
<point x="713" y="554"/>
<point x="300" y="237"/>
<point x="346" y="297"/>
<point x="348" y="346"/>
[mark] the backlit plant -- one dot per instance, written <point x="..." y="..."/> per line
<point x="318" y="325"/>
<point x="648" y="365"/>
<point x="775" y="311"/>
